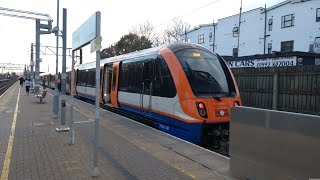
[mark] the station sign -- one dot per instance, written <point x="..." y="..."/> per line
<point x="85" y="33"/>
<point x="262" y="63"/>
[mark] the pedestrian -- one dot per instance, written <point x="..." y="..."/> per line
<point x="21" y="79"/>
<point x="59" y="84"/>
<point x="43" y="82"/>
<point x="28" y="84"/>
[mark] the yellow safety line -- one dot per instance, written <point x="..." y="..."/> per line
<point x="6" y="164"/>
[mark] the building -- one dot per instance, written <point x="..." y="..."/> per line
<point x="204" y="35"/>
<point x="293" y="25"/>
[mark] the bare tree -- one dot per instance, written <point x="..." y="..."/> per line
<point x="172" y="33"/>
<point x="147" y="30"/>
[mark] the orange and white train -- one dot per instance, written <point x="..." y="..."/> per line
<point x="184" y="88"/>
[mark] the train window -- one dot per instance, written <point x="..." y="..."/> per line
<point x="147" y="75"/>
<point x="81" y="78"/>
<point x="92" y="78"/>
<point x="135" y="77"/>
<point x="163" y="84"/>
<point x="114" y="78"/>
<point x="205" y="72"/>
<point x="124" y="77"/>
<point x="86" y="78"/>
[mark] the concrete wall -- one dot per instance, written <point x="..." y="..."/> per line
<point x="267" y="144"/>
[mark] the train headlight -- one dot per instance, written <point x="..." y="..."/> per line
<point x="201" y="109"/>
<point x="236" y="103"/>
<point x="222" y="113"/>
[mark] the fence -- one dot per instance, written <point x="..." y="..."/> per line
<point x="294" y="89"/>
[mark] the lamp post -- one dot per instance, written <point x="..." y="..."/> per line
<point x="56" y="91"/>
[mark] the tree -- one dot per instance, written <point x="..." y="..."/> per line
<point x="172" y="33"/>
<point x="132" y="42"/>
<point x="108" y="52"/>
<point x="128" y="43"/>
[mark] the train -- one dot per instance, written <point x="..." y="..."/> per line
<point x="185" y="89"/>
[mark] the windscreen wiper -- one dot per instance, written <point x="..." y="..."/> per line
<point x="216" y="97"/>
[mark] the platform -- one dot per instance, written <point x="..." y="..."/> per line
<point x="30" y="147"/>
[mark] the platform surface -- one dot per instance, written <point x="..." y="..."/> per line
<point x="30" y="147"/>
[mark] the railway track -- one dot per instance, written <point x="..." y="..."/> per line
<point x="5" y="86"/>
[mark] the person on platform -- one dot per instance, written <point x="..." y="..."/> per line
<point x="21" y="79"/>
<point x="43" y="83"/>
<point x="27" y="84"/>
<point x="59" y="84"/>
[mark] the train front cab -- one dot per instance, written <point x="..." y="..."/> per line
<point x="207" y="90"/>
<point x="161" y="87"/>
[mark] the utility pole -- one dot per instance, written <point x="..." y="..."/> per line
<point x="214" y="36"/>
<point x="265" y="29"/>
<point x="239" y="28"/>
<point x="36" y="82"/>
<point x="63" y="75"/>
<point x="31" y="65"/>
<point x="71" y="122"/>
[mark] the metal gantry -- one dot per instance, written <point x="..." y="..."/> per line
<point x="40" y="29"/>
<point x="11" y="67"/>
<point x="25" y="14"/>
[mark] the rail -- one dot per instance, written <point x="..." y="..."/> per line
<point x="6" y="84"/>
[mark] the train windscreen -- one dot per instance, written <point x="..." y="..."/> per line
<point x="205" y="73"/>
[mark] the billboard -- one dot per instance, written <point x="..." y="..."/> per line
<point x="262" y="63"/>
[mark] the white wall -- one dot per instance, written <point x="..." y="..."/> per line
<point x="305" y="27"/>
<point x="303" y="32"/>
<point x="196" y="32"/>
<point x="251" y="34"/>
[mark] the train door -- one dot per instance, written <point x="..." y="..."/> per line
<point x="107" y="77"/>
<point x="148" y="74"/>
<point x="114" y="85"/>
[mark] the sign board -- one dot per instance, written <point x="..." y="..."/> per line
<point x="96" y="44"/>
<point x="85" y="33"/>
<point x="316" y="47"/>
<point x="261" y="63"/>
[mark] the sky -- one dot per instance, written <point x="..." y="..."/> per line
<point x="118" y="17"/>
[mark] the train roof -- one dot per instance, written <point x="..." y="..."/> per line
<point x="142" y="53"/>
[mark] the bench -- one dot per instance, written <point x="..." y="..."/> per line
<point x="42" y="96"/>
